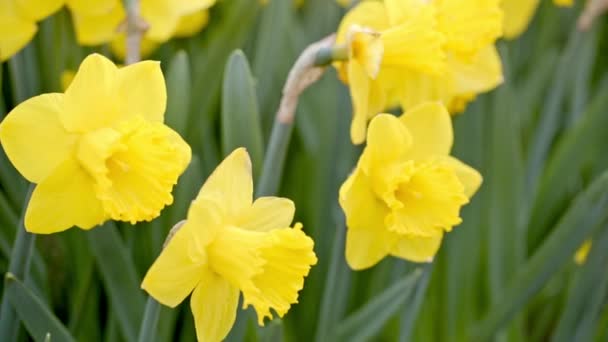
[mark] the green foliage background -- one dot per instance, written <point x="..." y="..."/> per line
<point x="505" y="274"/>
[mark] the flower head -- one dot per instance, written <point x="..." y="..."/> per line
<point x="230" y="244"/>
<point x="98" y="151"/>
<point x="406" y="190"/>
<point x="386" y="41"/>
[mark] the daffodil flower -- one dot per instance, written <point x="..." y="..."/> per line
<point x="228" y="245"/>
<point x="18" y="22"/>
<point x="406" y="190"/>
<point x="519" y="13"/>
<point x="386" y="41"/>
<point x="98" y="151"/>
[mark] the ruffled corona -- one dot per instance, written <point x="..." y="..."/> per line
<point x="230" y="245"/>
<point x="98" y="151"/>
<point x="406" y="191"/>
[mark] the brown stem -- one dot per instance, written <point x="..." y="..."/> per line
<point x="136" y="27"/>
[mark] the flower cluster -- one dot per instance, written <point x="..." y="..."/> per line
<point x="407" y="52"/>
<point x="101" y="21"/>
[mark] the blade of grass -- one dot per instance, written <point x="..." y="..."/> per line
<point x="35" y="315"/>
<point x="369" y="320"/>
<point x="576" y="225"/>
<point x="410" y="314"/>
<point x="119" y="277"/>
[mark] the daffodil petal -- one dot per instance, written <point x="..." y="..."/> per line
<point x="387" y="141"/>
<point x="369" y="14"/>
<point x="33" y="137"/>
<point x="231" y="183"/>
<point x="468" y="176"/>
<point x="431" y="128"/>
<point x="191" y="24"/>
<point x="416" y="248"/>
<point x="90" y="8"/>
<point x="142" y="91"/>
<point x="482" y="74"/>
<point x="90" y="100"/>
<point x="367" y="240"/>
<point x="38" y="9"/>
<point x="15" y="31"/>
<point x="64" y="199"/>
<point x="175" y="273"/>
<point x="214" y="303"/>
<point x="517" y="16"/>
<point x="96" y="29"/>
<point x="267" y="213"/>
<point x="359" y="90"/>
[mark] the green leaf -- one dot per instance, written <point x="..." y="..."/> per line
<point x="576" y="225"/>
<point x="586" y="297"/>
<point x="240" y="117"/>
<point x="33" y="312"/>
<point x="412" y="308"/>
<point x="369" y="320"/>
<point x="178" y="92"/>
<point x="119" y="277"/>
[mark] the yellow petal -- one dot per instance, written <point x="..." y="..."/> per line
<point x="387" y="141"/>
<point x="176" y="271"/>
<point x="93" y="8"/>
<point x="431" y="128"/>
<point x="415" y="44"/>
<point x="367" y="239"/>
<point x="469" y="25"/>
<point x="430" y="200"/>
<point x="368" y="14"/>
<point x="417" y="88"/>
<point x="191" y="24"/>
<point x="517" y="16"/>
<point x="33" y="138"/>
<point x="468" y="176"/>
<point x="141" y="91"/>
<point x="90" y="101"/>
<point x="368" y="100"/>
<point x="213" y="304"/>
<point x="266" y="214"/>
<point x="365" y="46"/>
<point x="231" y="183"/>
<point x="365" y="247"/>
<point x="417" y="249"/>
<point x="141" y="166"/>
<point x="563" y="3"/>
<point x="38" y="9"/>
<point x="64" y="199"/>
<point x="400" y="11"/>
<point x="483" y="73"/>
<point x="162" y="17"/>
<point x="288" y="255"/>
<point x="15" y="30"/>
<point x="97" y="28"/>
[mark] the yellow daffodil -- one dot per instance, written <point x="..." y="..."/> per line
<point x="98" y="151"/>
<point x="581" y="254"/>
<point x="231" y="244"/>
<point x="385" y="41"/>
<point x="519" y="13"/>
<point x="406" y="190"/>
<point x="18" y="22"/>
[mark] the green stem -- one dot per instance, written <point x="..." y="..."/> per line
<point x="21" y="257"/>
<point x="272" y="171"/>
<point x="150" y="321"/>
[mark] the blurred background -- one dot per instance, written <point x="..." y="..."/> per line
<point x="507" y="273"/>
